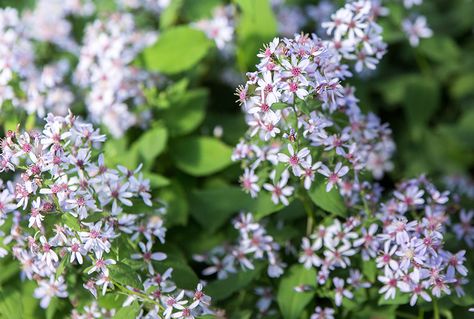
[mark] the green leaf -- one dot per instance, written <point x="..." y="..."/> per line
<point x="111" y="300"/>
<point x="400" y="299"/>
<point x="422" y="99"/>
<point x="182" y="275"/>
<point x="131" y="311"/>
<point x="187" y="112"/>
<point x="440" y="48"/>
<point x="178" y="209"/>
<point x="10" y="304"/>
<point x="331" y="201"/>
<point x="201" y="156"/>
<point x="117" y="152"/>
<point x="376" y="313"/>
<point x="369" y="269"/>
<point x="95" y="217"/>
<point x="71" y="221"/>
<point x="152" y="143"/>
<point x="169" y="16"/>
<point x="124" y="275"/>
<point x="194" y="10"/>
<point x="256" y="26"/>
<point x="156" y="180"/>
<point x="292" y="303"/>
<point x="62" y="266"/>
<point x="222" y="289"/>
<point x="463" y="86"/>
<point x="212" y="207"/>
<point x="9" y="268"/>
<point x="177" y="49"/>
<point x="29" y="304"/>
<point x="106" y="6"/>
<point x="52" y="308"/>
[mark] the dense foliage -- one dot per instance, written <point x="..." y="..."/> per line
<point x="236" y="159"/>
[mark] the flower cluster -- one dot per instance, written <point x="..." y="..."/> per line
<point x="48" y="22"/>
<point x="104" y="70"/>
<point x="68" y="211"/>
<point x="155" y="6"/>
<point x="253" y="244"/>
<point x="408" y="251"/>
<point x="219" y="28"/>
<point x="414" y="260"/>
<point x="356" y="35"/>
<point x="303" y="121"/>
<point x="333" y="247"/>
<point x="93" y="310"/>
<point x="22" y="83"/>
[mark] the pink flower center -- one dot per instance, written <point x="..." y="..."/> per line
<point x="294" y="160"/>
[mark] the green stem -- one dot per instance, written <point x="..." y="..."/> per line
<point x="436" y="309"/>
<point x="421" y="314"/>
<point x="309" y="212"/>
<point x="128" y="292"/>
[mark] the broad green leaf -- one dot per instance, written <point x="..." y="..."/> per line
<point x="201" y="156"/>
<point x="194" y="10"/>
<point x="152" y="143"/>
<point x="182" y="275"/>
<point x="106" y="6"/>
<point x="111" y="300"/>
<point x="10" y="304"/>
<point x="71" y="221"/>
<point x="263" y="206"/>
<point x="440" y="48"/>
<point x="422" y="99"/>
<point x="292" y="303"/>
<point x="212" y="207"/>
<point x="95" y="217"/>
<point x="400" y="299"/>
<point x="175" y="198"/>
<point x="124" y="275"/>
<point x="177" y="49"/>
<point x="169" y="16"/>
<point x="387" y="312"/>
<point x="186" y="113"/>
<point x="9" y="268"/>
<point x="369" y="269"/>
<point x="131" y="311"/>
<point x="463" y="85"/>
<point x="156" y="180"/>
<point x="330" y="201"/>
<point x="117" y="152"/>
<point x="256" y="26"/>
<point x="29" y="304"/>
<point x="222" y="289"/>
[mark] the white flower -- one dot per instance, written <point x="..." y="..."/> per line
<point x="279" y="190"/>
<point x="50" y="289"/>
<point x="101" y="264"/>
<point x="148" y="256"/>
<point x="335" y="176"/>
<point x="294" y="159"/>
<point x="77" y="251"/>
<point x="340" y="291"/>
<point x="416" y="29"/>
